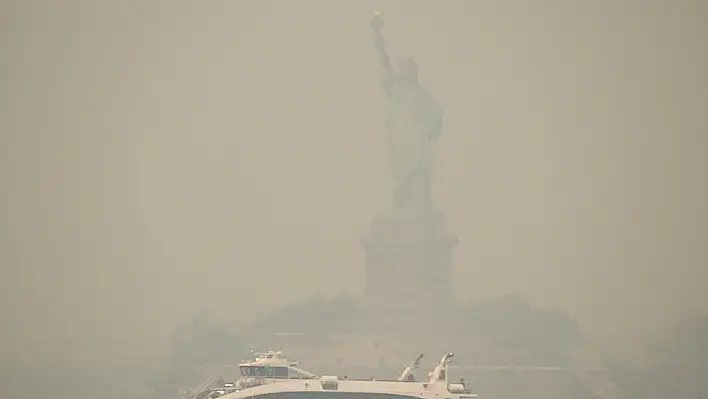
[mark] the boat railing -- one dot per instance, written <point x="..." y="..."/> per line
<point x="377" y="379"/>
<point x="204" y="387"/>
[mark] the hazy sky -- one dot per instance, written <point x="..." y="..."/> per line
<point x="161" y="157"/>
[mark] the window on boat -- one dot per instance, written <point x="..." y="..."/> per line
<point x="264" y="371"/>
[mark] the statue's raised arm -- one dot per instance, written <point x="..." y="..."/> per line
<point x="413" y="120"/>
<point x="384" y="60"/>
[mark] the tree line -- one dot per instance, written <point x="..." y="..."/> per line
<point x="675" y="362"/>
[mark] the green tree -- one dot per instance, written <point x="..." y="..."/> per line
<point x="675" y="366"/>
<point x="316" y="317"/>
<point x="201" y="340"/>
<point x="511" y="323"/>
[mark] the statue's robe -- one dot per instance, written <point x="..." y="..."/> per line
<point x="414" y="120"/>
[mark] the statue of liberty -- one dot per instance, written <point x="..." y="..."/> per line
<point x="414" y="121"/>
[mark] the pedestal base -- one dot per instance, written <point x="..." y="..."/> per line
<point x="408" y="262"/>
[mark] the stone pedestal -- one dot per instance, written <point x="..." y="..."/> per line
<point x="409" y="261"/>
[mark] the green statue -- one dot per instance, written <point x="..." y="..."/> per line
<point x="414" y="121"/>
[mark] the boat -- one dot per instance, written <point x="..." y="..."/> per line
<point x="272" y="376"/>
<point x="267" y="367"/>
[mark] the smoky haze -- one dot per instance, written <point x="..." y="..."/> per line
<point x="158" y="158"/>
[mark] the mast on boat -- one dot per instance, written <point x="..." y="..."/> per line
<point x="407" y="374"/>
<point x="439" y="373"/>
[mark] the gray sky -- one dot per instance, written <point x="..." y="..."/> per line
<point x="161" y="157"/>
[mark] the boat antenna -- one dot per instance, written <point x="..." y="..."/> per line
<point x="409" y="369"/>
